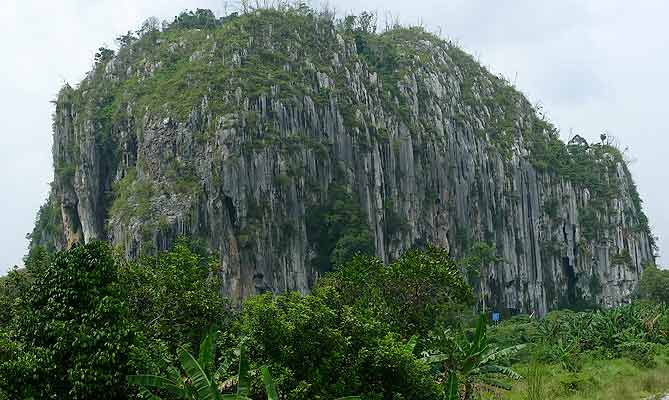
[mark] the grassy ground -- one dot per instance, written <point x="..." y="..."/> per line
<point x="597" y="380"/>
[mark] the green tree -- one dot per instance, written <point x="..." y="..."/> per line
<point x="201" y="18"/>
<point x="175" y="295"/>
<point x="415" y="294"/>
<point x="20" y="365"/>
<point x="351" y="335"/>
<point x="37" y="259"/>
<point x="654" y="284"/>
<point x="317" y="349"/>
<point x="198" y="381"/>
<point x="103" y="55"/>
<point x="126" y="39"/>
<point x="76" y="327"/>
<point x="480" y="256"/>
<point x="12" y="286"/>
<point x="339" y="229"/>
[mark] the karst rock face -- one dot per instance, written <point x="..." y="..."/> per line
<point x="249" y="133"/>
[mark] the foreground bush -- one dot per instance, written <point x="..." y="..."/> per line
<point x="353" y="335"/>
<point x="80" y="323"/>
<point x="74" y="330"/>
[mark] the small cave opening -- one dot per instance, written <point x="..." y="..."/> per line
<point x="259" y="282"/>
<point x="232" y="211"/>
<point x="568" y="269"/>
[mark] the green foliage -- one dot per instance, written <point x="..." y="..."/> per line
<point x="174" y="295"/>
<point x="282" y="181"/>
<point x="551" y="208"/>
<point x="37" y="260"/>
<point x="599" y="379"/>
<point x="93" y="321"/>
<point x="639" y="352"/>
<point x="12" y="286"/>
<point x="416" y="293"/>
<point x="183" y="178"/>
<point x="535" y="378"/>
<point x="133" y="198"/>
<point x="452" y="387"/>
<point x="48" y="230"/>
<point x="19" y="367"/>
<point x="394" y="223"/>
<point x="590" y="355"/>
<point x="103" y="55"/>
<point x="593" y="167"/>
<point x="197" y="382"/>
<point x="351" y="334"/>
<point x="566" y="338"/>
<point x="317" y="349"/>
<point x="654" y="284"/>
<point x="476" y="361"/>
<point x="589" y="222"/>
<point x="77" y="324"/>
<point x="338" y="229"/>
<point x="622" y="258"/>
<point x="479" y="255"/>
<point x="198" y="19"/>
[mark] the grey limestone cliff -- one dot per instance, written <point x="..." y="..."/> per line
<point x="234" y="133"/>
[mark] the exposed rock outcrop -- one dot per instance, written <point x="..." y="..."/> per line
<point x="235" y="134"/>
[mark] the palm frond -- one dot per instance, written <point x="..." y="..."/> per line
<point x="497" y="354"/>
<point x="243" y="376"/>
<point x="495" y="383"/>
<point x="196" y="374"/>
<point x="269" y="384"/>
<point x="146" y="393"/>
<point x="435" y="359"/>
<point x="452" y="387"/>
<point x="208" y="350"/>
<point x="502" y="370"/>
<point x="411" y="344"/>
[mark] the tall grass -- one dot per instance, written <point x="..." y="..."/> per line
<point x="535" y="387"/>
<point x="598" y="379"/>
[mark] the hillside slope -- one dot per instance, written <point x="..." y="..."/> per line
<point x="287" y="142"/>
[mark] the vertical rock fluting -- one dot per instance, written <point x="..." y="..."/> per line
<point x="438" y="151"/>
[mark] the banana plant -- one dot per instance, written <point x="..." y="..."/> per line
<point x="475" y="362"/>
<point x="198" y="384"/>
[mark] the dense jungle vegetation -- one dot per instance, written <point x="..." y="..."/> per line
<point x="85" y="324"/>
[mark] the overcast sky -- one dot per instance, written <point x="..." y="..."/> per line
<point x="593" y="65"/>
